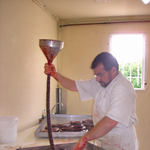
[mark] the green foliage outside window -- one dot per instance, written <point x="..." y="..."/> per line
<point x="133" y="72"/>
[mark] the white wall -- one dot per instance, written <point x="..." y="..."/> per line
<point x="22" y="78"/>
<point x="82" y="44"/>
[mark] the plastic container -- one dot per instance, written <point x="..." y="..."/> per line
<point x="8" y="129"/>
<point x="43" y="114"/>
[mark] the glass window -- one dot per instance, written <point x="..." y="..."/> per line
<point x="129" y="50"/>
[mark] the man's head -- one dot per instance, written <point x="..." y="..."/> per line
<point x="105" y="67"/>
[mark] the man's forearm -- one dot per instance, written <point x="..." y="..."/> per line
<point x="101" y="128"/>
<point x="65" y="82"/>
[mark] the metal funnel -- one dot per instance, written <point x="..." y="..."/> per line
<point x="50" y="48"/>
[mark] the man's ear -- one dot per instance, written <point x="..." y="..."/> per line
<point x="113" y="70"/>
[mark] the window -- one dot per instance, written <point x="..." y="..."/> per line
<point x="129" y="50"/>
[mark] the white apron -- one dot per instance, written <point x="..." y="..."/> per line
<point x="119" y="138"/>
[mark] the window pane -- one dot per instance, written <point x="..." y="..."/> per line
<point x="136" y="82"/>
<point x="121" y="66"/>
<point x="134" y="69"/>
<point x="128" y="79"/>
<point x="127" y="69"/>
<point x="140" y="68"/>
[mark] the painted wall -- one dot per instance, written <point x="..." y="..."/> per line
<point x="82" y="44"/>
<point x="22" y="81"/>
<point x="22" y="78"/>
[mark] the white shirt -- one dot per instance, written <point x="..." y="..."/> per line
<point x="118" y="102"/>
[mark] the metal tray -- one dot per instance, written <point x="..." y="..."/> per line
<point x="67" y="146"/>
<point x="60" y="119"/>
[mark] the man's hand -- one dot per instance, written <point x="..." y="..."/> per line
<point x="50" y="69"/>
<point x="100" y="129"/>
<point x="64" y="81"/>
<point x="81" y="144"/>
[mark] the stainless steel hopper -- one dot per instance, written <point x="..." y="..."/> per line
<point x="50" y="49"/>
<point x="66" y="146"/>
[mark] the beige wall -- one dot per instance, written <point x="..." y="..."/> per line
<point x="22" y="78"/>
<point x="22" y="81"/>
<point x="82" y="44"/>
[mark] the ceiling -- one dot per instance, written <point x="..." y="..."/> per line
<point x="86" y="9"/>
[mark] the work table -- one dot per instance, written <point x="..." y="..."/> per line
<point x="26" y="139"/>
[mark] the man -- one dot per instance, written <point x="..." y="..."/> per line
<point x="114" y="104"/>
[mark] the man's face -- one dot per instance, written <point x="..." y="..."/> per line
<point x="102" y="76"/>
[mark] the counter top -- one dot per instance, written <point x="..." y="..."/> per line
<point x="26" y="139"/>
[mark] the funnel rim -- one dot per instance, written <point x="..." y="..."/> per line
<point x="51" y="43"/>
<point x="50" y="40"/>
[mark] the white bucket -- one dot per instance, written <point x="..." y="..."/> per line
<point x="8" y="129"/>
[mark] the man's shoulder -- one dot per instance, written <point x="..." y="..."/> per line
<point x="122" y="80"/>
<point x="123" y="83"/>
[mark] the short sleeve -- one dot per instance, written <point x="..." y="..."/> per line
<point x="122" y="104"/>
<point x="87" y="89"/>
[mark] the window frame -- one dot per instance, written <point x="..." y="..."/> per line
<point x="144" y="60"/>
